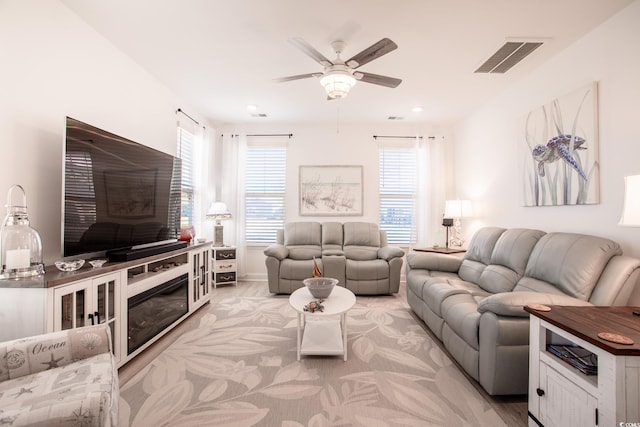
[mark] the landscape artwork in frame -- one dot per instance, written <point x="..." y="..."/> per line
<point x="560" y="151"/>
<point x="330" y="190"/>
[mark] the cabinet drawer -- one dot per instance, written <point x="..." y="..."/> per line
<point x="225" y="277"/>
<point x="226" y="254"/>
<point x="224" y="266"/>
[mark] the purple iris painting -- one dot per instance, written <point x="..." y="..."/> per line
<point x="560" y="158"/>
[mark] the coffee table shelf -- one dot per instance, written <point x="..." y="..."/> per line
<point x="323" y="333"/>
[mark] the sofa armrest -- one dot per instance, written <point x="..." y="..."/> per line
<point x="512" y="303"/>
<point x="26" y="356"/>
<point x="434" y="261"/>
<point x="277" y="251"/>
<point x="390" y="252"/>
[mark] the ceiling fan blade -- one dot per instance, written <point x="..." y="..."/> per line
<point x="298" y="77"/>
<point x="374" y="51"/>
<point x="377" y="79"/>
<point x="311" y="51"/>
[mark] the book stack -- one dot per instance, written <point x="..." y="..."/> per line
<point x="578" y="357"/>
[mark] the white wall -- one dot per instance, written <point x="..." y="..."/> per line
<point x="54" y="65"/>
<point x="325" y="145"/>
<point x="486" y="142"/>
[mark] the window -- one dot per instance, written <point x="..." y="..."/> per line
<point x="398" y="172"/>
<point x="264" y="192"/>
<point x="186" y="145"/>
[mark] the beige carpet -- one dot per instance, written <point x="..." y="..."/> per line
<point x="238" y="368"/>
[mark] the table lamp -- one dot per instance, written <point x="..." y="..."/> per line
<point x="218" y="211"/>
<point x="453" y="211"/>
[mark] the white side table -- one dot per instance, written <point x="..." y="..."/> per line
<point x="321" y="333"/>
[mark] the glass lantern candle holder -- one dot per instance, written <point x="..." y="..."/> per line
<point x="20" y="245"/>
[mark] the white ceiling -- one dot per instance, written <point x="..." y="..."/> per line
<point x="220" y="55"/>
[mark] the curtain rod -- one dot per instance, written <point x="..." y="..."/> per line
<point x="179" y="110"/>
<point x="290" y="135"/>
<point x="401" y="137"/>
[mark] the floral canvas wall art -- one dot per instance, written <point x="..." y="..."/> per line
<point x="560" y="151"/>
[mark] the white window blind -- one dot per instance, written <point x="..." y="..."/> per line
<point x="186" y="143"/>
<point x="264" y="193"/>
<point x="398" y="172"/>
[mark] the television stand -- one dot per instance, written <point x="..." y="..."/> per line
<point x="133" y="254"/>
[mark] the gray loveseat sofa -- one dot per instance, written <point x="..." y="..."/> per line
<point x="355" y="253"/>
<point x="474" y="303"/>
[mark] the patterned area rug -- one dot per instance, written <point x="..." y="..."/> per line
<point x="239" y="368"/>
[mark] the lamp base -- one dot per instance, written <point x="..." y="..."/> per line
<point x="218" y="234"/>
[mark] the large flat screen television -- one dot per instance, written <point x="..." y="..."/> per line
<point x="117" y="194"/>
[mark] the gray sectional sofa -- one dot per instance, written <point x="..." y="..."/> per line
<point x="474" y="303"/>
<point x="355" y="253"/>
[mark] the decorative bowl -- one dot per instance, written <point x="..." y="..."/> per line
<point x="97" y="263"/>
<point x="320" y="287"/>
<point x="74" y="265"/>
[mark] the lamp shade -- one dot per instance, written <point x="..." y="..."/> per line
<point x="631" y="209"/>
<point x="457" y="208"/>
<point x="218" y="211"/>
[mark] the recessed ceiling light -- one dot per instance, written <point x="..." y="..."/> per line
<point x="252" y="107"/>
<point x="416" y="109"/>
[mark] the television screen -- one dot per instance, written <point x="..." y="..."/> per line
<point x="118" y="194"/>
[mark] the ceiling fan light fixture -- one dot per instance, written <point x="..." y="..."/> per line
<point x="338" y="84"/>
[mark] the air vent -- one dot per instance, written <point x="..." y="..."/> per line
<point x="507" y="56"/>
<point x="395" y="118"/>
<point x="259" y="115"/>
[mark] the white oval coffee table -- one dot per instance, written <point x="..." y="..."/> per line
<point x="321" y="333"/>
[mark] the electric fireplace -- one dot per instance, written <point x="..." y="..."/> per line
<point x="152" y="311"/>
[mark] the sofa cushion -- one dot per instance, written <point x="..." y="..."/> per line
<point x="304" y="252"/>
<point x="437" y="289"/>
<point x="302" y="234"/>
<point x="460" y="313"/>
<point x="298" y="269"/>
<point x="367" y="270"/>
<point x="361" y="234"/>
<point x="509" y="259"/>
<point x="331" y="237"/>
<point x="571" y="262"/>
<point x="478" y="254"/>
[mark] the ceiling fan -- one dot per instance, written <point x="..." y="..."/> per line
<point x="340" y="76"/>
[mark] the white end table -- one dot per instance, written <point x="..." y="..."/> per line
<point x="320" y="333"/>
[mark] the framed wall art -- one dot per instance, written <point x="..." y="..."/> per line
<point x="330" y="190"/>
<point x="560" y="151"/>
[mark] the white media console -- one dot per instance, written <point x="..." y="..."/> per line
<point x="140" y="300"/>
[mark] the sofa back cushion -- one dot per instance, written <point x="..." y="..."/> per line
<point x="331" y="236"/>
<point x="361" y="240"/>
<point x="303" y="239"/>
<point x="572" y="263"/>
<point x="509" y="259"/>
<point x="479" y="252"/>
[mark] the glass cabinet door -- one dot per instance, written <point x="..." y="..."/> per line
<point x="72" y="306"/>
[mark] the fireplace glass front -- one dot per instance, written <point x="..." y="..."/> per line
<point x="150" y="312"/>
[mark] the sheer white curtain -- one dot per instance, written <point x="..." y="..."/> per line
<point x="234" y="152"/>
<point x="431" y="187"/>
